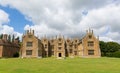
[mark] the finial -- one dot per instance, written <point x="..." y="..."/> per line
<point x="33" y="32"/>
<point x="92" y="31"/>
<point x="98" y="37"/>
<point x="56" y="36"/>
<point x="86" y="31"/>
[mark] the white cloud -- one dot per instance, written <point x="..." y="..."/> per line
<point x="3" y="17"/>
<point x="67" y="16"/>
<point x="105" y="21"/>
<point x="4" y="27"/>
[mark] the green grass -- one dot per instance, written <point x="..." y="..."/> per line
<point x="53" y="65"/>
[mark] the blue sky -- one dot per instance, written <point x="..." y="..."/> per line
<point x="17" y="20"/>
<point x="70" y="18"/>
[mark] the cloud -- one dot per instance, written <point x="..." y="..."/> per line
<point x="71" y="17"/>
<point x="4" y="25"/>
<point x="3" y="17"/>
<point x="105" y="21"/>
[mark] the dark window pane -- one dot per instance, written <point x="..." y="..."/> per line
<point x="59" y="48"/>
<point x="90" y="52"/>
<point x="28" y="52"/>
<point x="29" y="44"/>
<point x="90" y="43"/>
<point x="75" y="52"/>
<point x="70" y="50"/>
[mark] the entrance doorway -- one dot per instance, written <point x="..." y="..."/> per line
<point x="60" y="55"/>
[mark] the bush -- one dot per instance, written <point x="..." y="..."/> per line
<point x="16" y="54"/>
<point x="102" y="54"/>
<point x="116" y="54"/>
<point x="109" y="54"/>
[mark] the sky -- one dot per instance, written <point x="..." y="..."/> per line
<point x="70" y="18"/>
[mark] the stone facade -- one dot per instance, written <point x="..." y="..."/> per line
<point x="8" y="48"/>
<point x="60" y="47"/>
<point x="46" y="44"/>
<point x="90" y="45"/>
<point x="31" y="45"/>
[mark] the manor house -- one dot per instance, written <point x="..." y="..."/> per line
<point x="59" y="46"/>
<point x="8" y="48"/>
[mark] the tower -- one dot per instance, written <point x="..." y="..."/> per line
<point x="91" y="45"/>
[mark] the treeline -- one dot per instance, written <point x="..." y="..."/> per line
<point x="10" y="38"/>
<point x="110" y="49"/>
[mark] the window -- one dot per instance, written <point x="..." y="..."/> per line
<point x="90" y="43"/>
<point x="75" y="46"/>
<point x="70" y="50"/>
<point x="29" y="44"/>
<point x="45" y="40"/>
<point x="28" y="52"/>
<point x="45" y="46"/>
<point x="59" y="39"/>
<point x="75" y="52"/>
<point x="59" y="48"/>
<point x="90" y="52"/>
<point x="52" y="41"/>
<point x="30" y="36"/>
<point x="90" y="36"/>
<point x="76" y="41"/>
<point x="68" y="40"/>
<point x="59" y="44"/>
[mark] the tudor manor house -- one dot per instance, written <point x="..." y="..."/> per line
<point x="59" y="46"/>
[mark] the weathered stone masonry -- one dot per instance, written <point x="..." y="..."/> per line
<point x="60" y="47"/>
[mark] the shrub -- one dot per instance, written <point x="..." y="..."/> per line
<point x="16" y="54"/>
<point x="109" y="54"/>
<point x="116" y="54"/>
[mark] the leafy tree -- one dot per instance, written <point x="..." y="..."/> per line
<point x="13" y="38"/>
<point x="108" y="48"/>
<point x="113" y="47"/>
<point x="103" y="48"/>
<point x="18" y="39"/>
<point x="116" y="54"/>
<point x="9" y="38"/>
<point x="1" y="36"/>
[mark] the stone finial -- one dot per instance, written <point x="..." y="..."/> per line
<point x="33" y="32"/>
<point x="56" y="36"/>
<point x="30" y="31"/>
<point x="98" y="37"/>
<point x="27" y="31"/>
<point x="86" y="31"/>
<point x="92" y="31"/>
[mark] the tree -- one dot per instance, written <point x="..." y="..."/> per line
<point x="17" y="38"/>
<point x="103" y="48"/>
<point x="13" y="38"/>
<point x="9" y="38"/>
<point x="113" y="47"/>
<point x="108" y="48"/>
<point x="1" y="36"/>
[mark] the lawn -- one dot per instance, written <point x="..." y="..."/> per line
<point x="53" y="65"/>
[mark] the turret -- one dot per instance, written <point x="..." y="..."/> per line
<point x="30" y="31"/>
